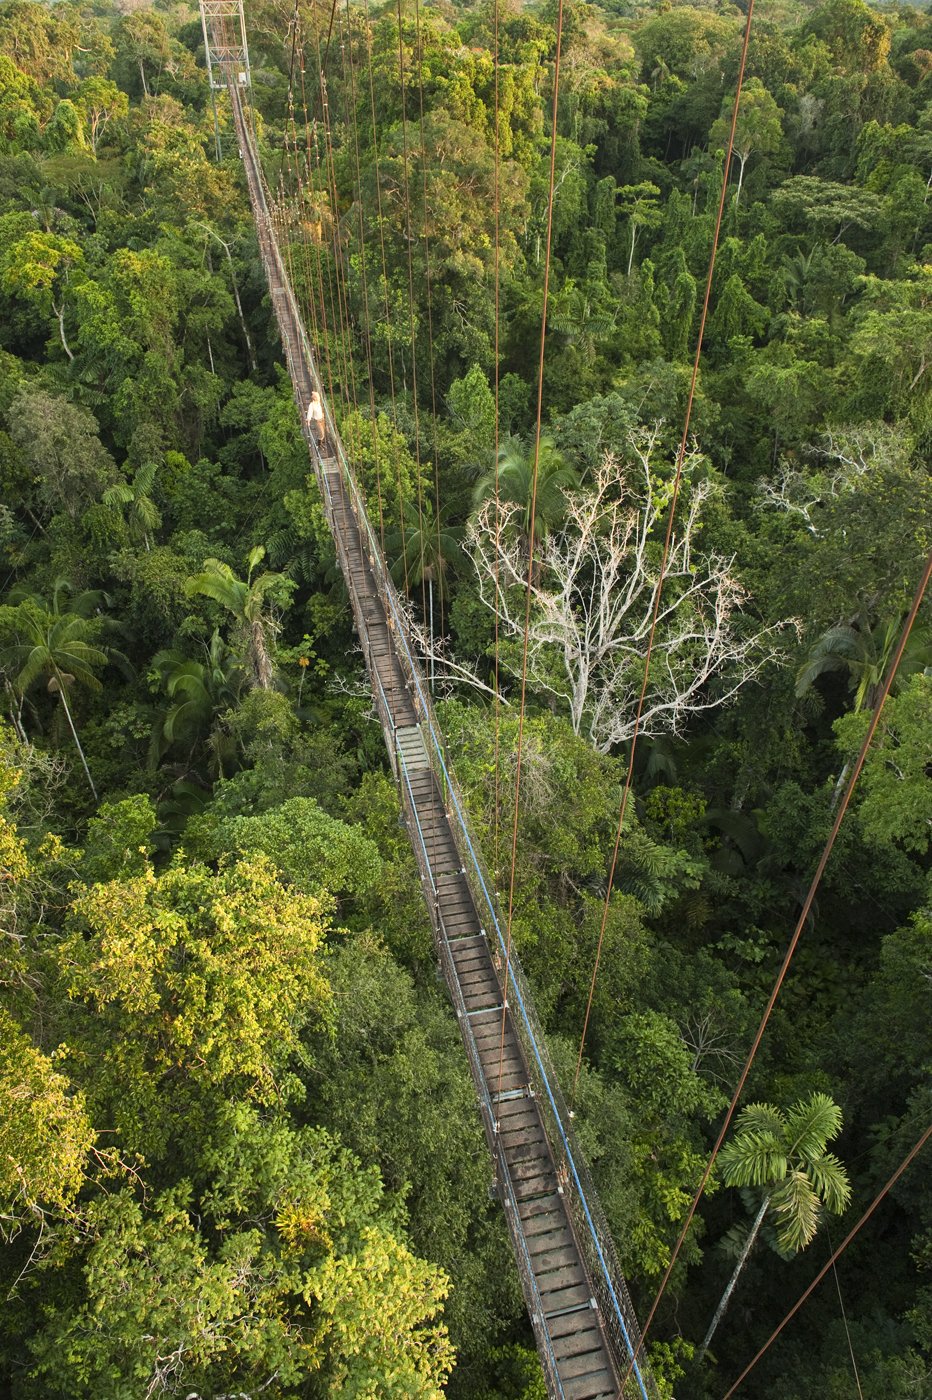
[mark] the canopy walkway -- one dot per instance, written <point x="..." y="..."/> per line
<point x="583" y="1320"/>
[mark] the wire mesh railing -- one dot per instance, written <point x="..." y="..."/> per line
<point x="593" y="1235"/>
<point x="591" y="1228"/>
<point x="486" y="1107"/>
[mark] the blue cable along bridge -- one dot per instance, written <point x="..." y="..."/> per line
<point x="583" y="1320"/>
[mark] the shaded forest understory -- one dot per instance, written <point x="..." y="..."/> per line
<point x="239" y="1149"/>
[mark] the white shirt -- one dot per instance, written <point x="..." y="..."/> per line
<point x="315" y="412"/>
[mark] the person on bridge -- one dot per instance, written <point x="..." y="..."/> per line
<point x="316" y="421"/>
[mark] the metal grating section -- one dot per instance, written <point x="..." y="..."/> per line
<point x="411" y="747"/>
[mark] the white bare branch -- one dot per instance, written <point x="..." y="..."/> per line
<point x="707" y="1040"/>
<point x="592" y="598"/>
<point x="846" y="456"/>
<point x="435" y="657"/>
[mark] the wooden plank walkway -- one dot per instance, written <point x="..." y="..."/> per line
<point x="563" y="1292"/>
<point x="575" y="1353"/>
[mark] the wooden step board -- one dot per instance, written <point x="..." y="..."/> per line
<point x="568" y="1325"/>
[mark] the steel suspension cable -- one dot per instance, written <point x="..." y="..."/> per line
<point x="304" y="163"/>
<point x="347" y="47"/>
<point x="408" y="236"/>
<point x="294" y="44"/>
<point x="392" y="677"/>
<point x="279" y="213"/>
<point x="496" y="702"/>
<point x="797" y="933"/>
<point x="335" y="344"/>
<point x="385" y="297"/>
<point x="532" y="534"/>
<point x="367" y="336"/>
<point x="312" y="162"/>
<point x="322" y="65"/>
<point x="300" y="199"/>
<point x="668" y="539"/>
<point x="315" y="284"/>
<point x="338" y="317"/>
<point x="830" y="1264"/>
<point x="308" y="256"/>
<point x="844" y="1316"/>
<point x="326" y="272"/>
<point x="339" y="268"/>
<point x="430" y="313"/>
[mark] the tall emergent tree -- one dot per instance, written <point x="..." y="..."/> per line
<point x="782" y="1156"/>
<point x="246" y="600"/>
<point x="593" y="594"/>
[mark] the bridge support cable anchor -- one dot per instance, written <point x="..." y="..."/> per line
<point x="590" y="1306"/>
<point x="510" y="1094"/>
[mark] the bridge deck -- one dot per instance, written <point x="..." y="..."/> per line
<point x="576" y="1354"/>
<point x="564" y="1293"/>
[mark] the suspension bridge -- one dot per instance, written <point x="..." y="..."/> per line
<point x="587" y="1335"/>
<point x="583" y="1320"/>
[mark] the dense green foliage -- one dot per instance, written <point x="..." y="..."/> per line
<point x="237" y="1136"/>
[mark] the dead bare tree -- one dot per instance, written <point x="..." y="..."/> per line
<point x="592" y="597"/>
<point x="841" y="461"/>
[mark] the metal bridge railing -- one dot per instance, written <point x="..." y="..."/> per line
<point x="591" y="1228"/>
<point x="593" y="1234"/>
<point x="592" y="1231"/>
<point x="594" y="1237"/>
<point x="486" y="1106"/>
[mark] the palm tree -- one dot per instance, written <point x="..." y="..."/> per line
<point x="245" y="599"/>
<point x="660" y="72"/>
<point x="60" y="647"/>
<point x="783" y="1158"/>
<point x="425" y="549"/>
<point x="197" y="690"/>
<point x="143" y="515"/>
<point x="580" y="320"/>
<point x="90" y="602"/>
<point x="515" y="475"/>
<point x="795" y="273"/>
<point x="864" y="651"/>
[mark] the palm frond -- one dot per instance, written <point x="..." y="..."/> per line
<point x="120" y="494"/>
<point x="810" y="1124"/>
<point x="217" y="581"/>
<point x="753" y="1159"/>
<point x="830" y="1179"/>
<point x="146" y="513"/>
<point x="835" y="650"/>
<point x="796" y="1207"/>
<point x="188" y="680"/>
<point x="144" y="480"/>
<point x="186" y="714"/>
<point x="80" y="672"/>
<point x="761" y="1118"/>
<point x="164" y="662"/>
<point x="35" y="665"/>
<point x="261" y="585"/>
